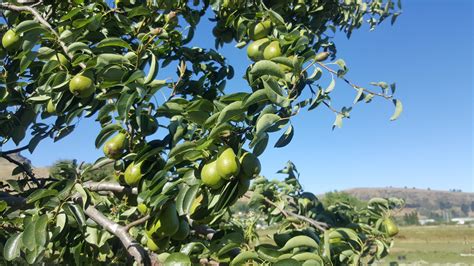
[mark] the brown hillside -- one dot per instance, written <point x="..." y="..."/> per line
<point x="6" y="167"/>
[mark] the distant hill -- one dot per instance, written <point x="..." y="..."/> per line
<point x="6" y="167"/>
<point x="427" y="203"/>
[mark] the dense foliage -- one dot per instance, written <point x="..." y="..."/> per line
<point x="181" y="162"/>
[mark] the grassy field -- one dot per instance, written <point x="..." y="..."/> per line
<point x="432" y="245"/>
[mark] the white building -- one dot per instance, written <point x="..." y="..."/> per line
<point x="463" y="220"/>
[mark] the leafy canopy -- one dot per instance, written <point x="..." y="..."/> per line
<point x="64" y="61"/>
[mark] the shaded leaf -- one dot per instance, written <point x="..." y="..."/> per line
<point x="285" y="138"/>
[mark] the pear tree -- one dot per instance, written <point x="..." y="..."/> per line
<point x="184" y="149"/>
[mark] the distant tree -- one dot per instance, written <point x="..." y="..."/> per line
<point x="472" y="206"/>
<point x="445" y="205"/>
<point x="435" y="216"/>
<point x="465" y="209"/>
<point x="411" y="218"/>
<point x="330" y="198"/>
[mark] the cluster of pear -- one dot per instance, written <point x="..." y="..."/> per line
<point x="164" y="226"/>
<point x="227" y="165"/>
<point x="114" y="149"/>
<point x="262" y="47"/>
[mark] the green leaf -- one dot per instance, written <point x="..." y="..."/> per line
<point x="108" y="59"/>
<point x="331" y="86"/>
<point x="182" y="147"/>
<point x="267" y="67"/>
<point x="230" y="111"/>
<point x="78" y="46"/>
<point x="285" y="138"/>
<point x="153" y="71"/>
<point x="113" y="41"/>
<point x="300" y="241"/>
<point x="360" y="93"/>
<point x="41" y="234"/>
<point x="27" y="60"/>
<point x="27" y="25"/>
<point x="318" y="99"/>
<point x="256" y="97"/>
<point x="3" y="205"/>
<point x="368" y="97"/>
<point x="39" y="98"/>
<point x="12" y="247"/>
<point x="274" y="93"/>
<point x="305" y="256"/>
<point x="219" y="129"/>
<point x="138" y="74"/>
<point x="40" y="194"/>
<point x="77" y="213"/>
<point x="28" y="238"/>
<point x="316" y="75"/>
<point x="338" y="121"/>
<point x="71" y="13"/>
<point x="265" y="122"/>
<point x="63" y="132"/>
<point x="398" y="109"/>
<point x="244" y="257"/>
<point x="180" y="198"/>
<point x="261" y="145"/>
<point x="61" y="220"/>
<point x="189" y="198"/>
<point x="78" y="187"/>
<point x="276" y="18"/>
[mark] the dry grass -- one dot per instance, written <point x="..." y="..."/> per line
<point x="442" y="245"/>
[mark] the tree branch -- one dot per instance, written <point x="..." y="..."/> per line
<point x="318" y="225"/>
<point x="26" y="170"/>
<point x="44" y="22"/>
<point x="17" y="150"/>
<point x="133" y="248"/>
<point x="109" y="186"/>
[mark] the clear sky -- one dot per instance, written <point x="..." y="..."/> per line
<point x="428" y="53"/>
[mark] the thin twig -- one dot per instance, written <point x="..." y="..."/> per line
<point x="332" y="108"/>
<point x="356" y="87"/>
<point x="137" y="222"/>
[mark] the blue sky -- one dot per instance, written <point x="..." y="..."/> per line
<point x="428" y="53"/>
